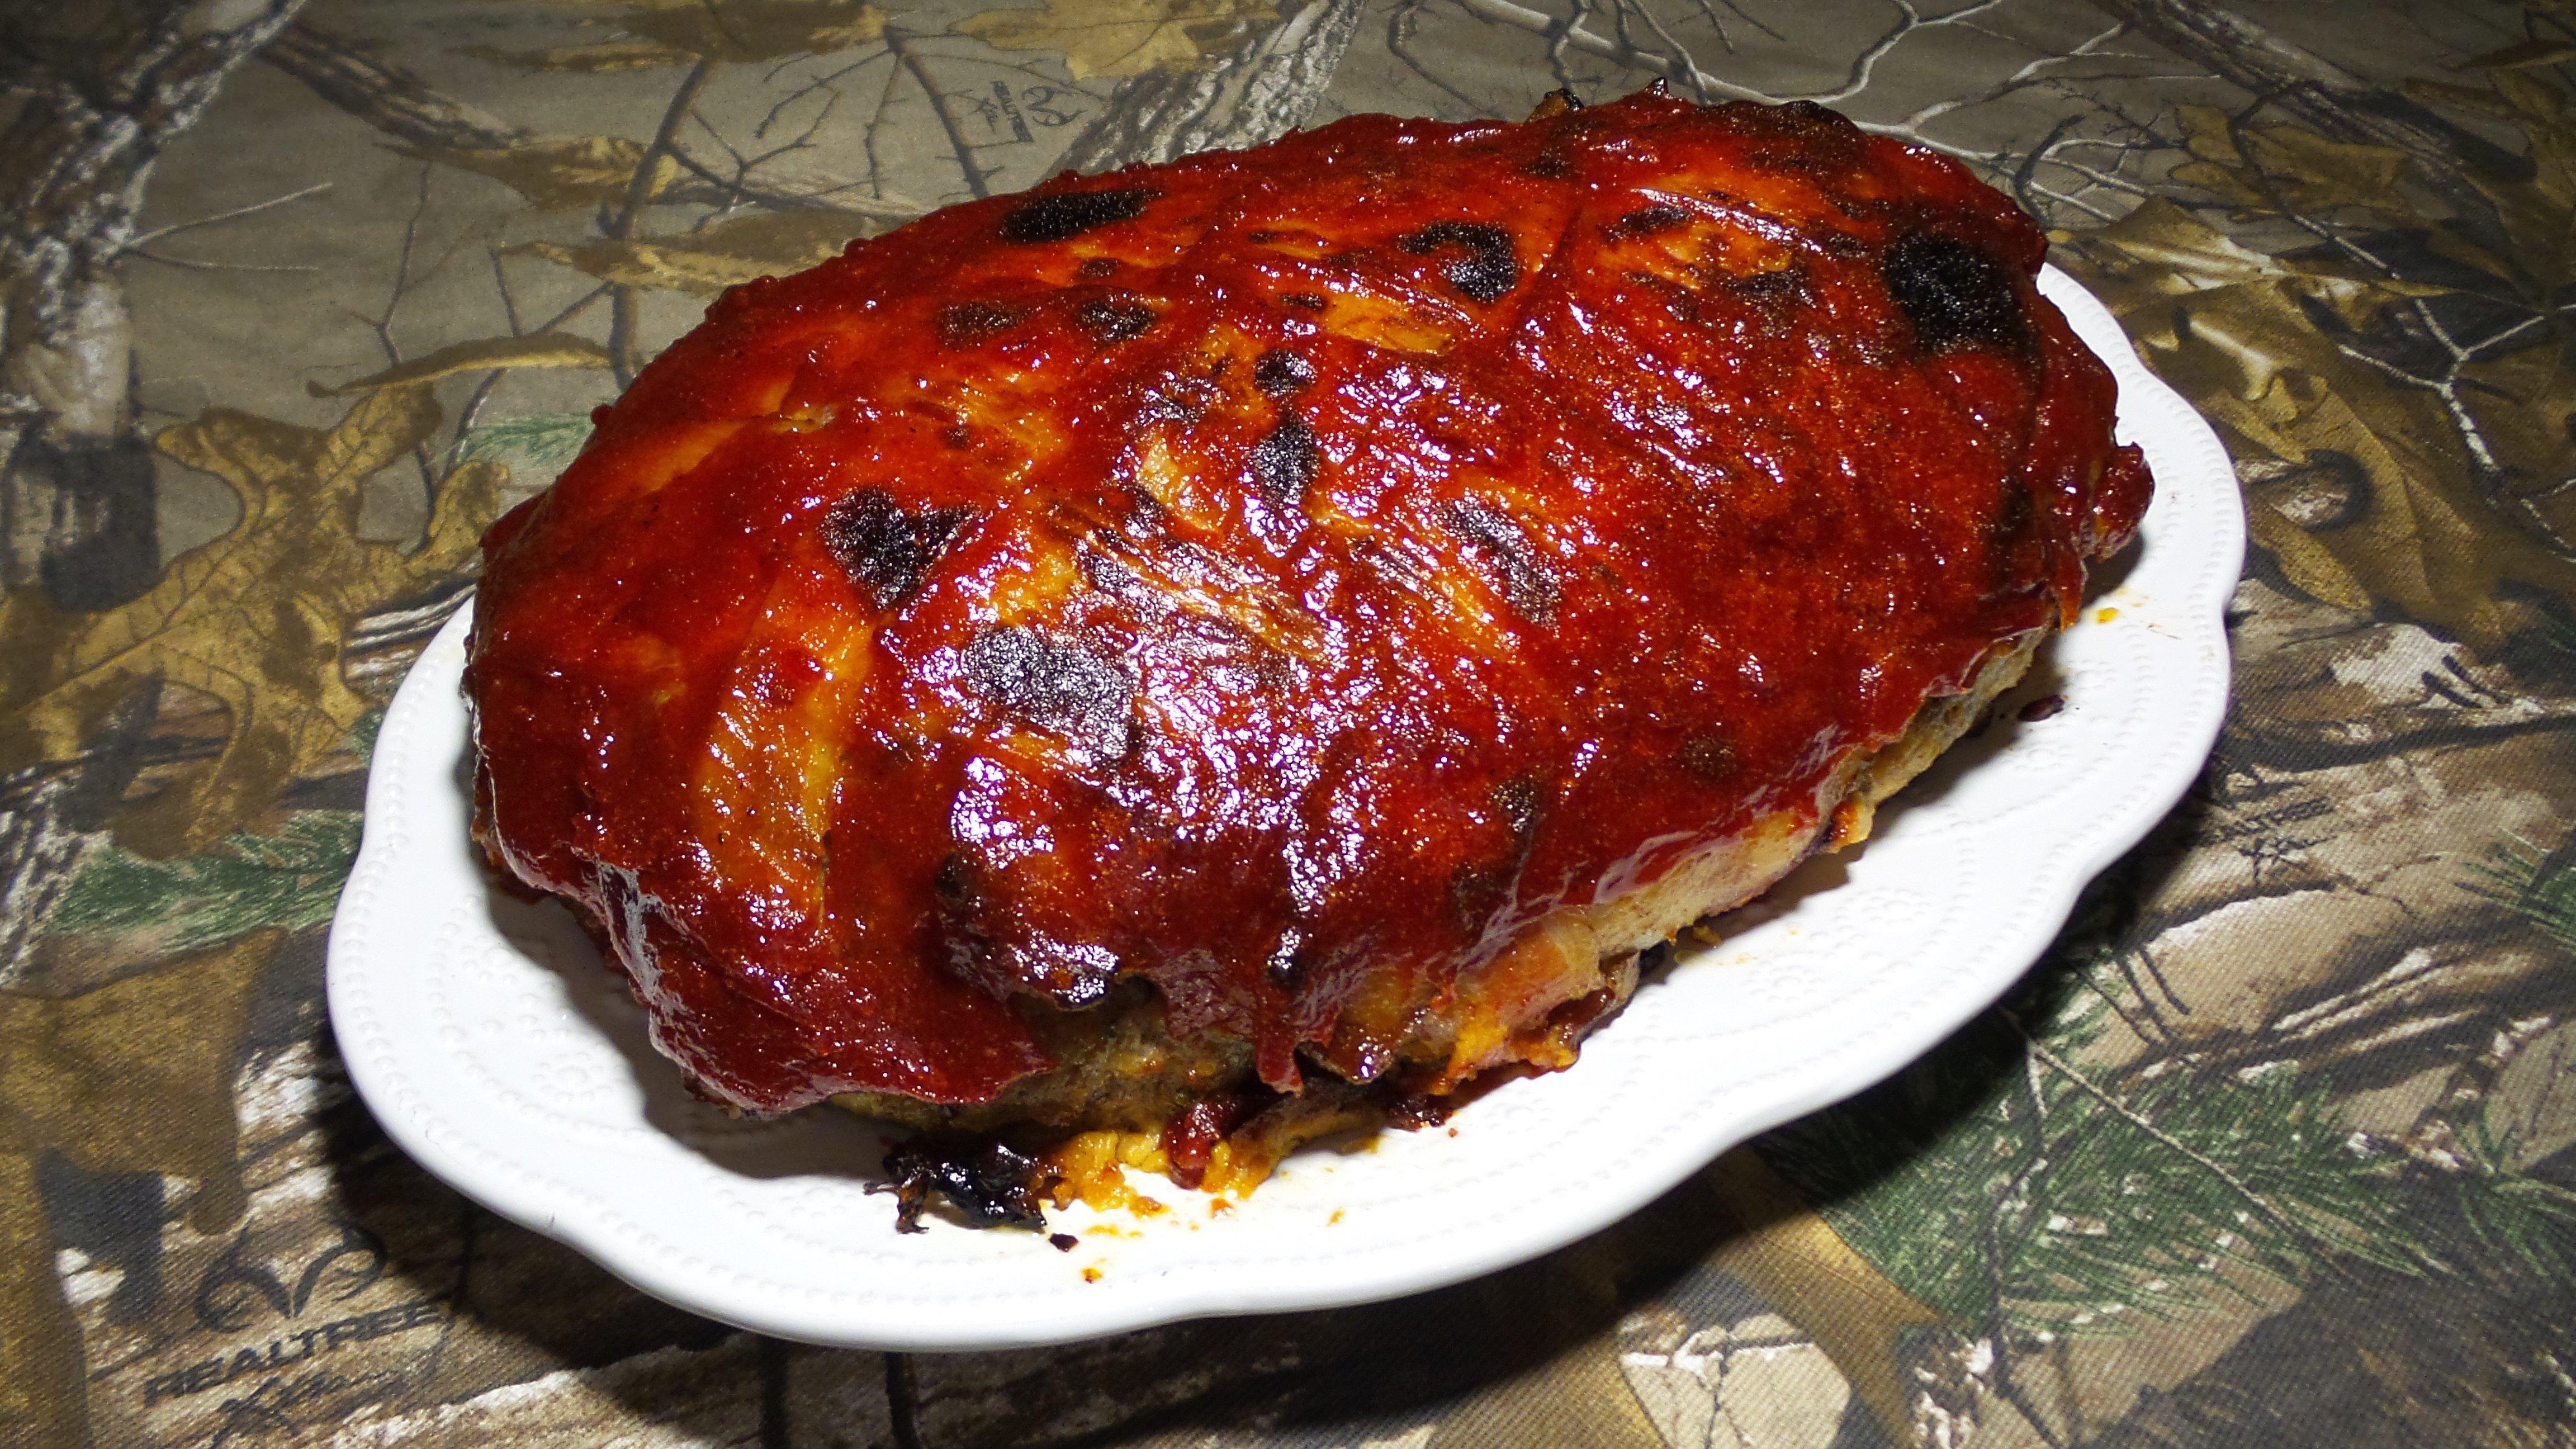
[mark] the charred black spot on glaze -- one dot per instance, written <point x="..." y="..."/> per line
<point x="2013" y="516"/>
<point x="1068" y="214"/>
<point x="1302" y="301"/>
<point x="1795" y="118"/>
<point x="1528" y="586"/>
<point x="1521" y="800"/>
<point x="1646" y="221"/>
<point x="885" y="550"/>
<point x="2009" y="534"/>
<point x="962" y="324"/>
<point x="1284" y="966"/>
<point x="1477" y="893"/>
<point x="1782" y="284"/>
<point x="1478" y="890"/>
<point x="1279" y="371"/>
<point x="1054" y="683"/>
<point x="955" y="882"/>
<point x="1802" y="136"/>
<point x="1487" y="271"/>
<point x="1112" y="320"/>
<point x="1709" y="755"/>
<point x="1284" y="464"/>
<point x="1955" y="295"/>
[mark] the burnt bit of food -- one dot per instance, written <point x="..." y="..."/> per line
<point x="1954" y="294"/>
<point x="885" y="550"/>
<point x="1302" y="301"/>
<point x="1280" y="371"/>
<point x="1114" y="319"/>
<point x="963" y="324"/>
<point x="2047" y="706"/>
<point x="1559" y="102"/>
<point x="1796" y="118"/>
<point x="1486" y="272"/>
<point x="1527" y="585"/>
<point x="1414" y="1111"/>
<point x="1284" y="464"/>
<point x="1055" y="683"/>
<point x="988" y="1183"/>
<point x="1803" y="136"/>
<point x="1646" y="221"/>
<point x="1068" y="214"/>
<point x="1063" y="1242"/>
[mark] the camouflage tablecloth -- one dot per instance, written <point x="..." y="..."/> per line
<point x="2273" y="1148"/>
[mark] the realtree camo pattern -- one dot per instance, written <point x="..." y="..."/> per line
<point x="2275" y="1146"/>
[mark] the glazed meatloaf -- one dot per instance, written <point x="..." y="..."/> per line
<point x="1176" y="661"/>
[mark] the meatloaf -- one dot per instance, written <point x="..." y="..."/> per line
<point x="1179" y="660"/>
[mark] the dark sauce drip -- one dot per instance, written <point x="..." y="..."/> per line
<point x="1190" y="1139"/>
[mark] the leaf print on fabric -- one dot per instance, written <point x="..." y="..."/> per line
<point x="1110" y="38"/>
<point x="725" y="254"/>
<point x="2313" y="362"/>
<point x="537" y="349"/>
<point x="535" y="447"/>
<point x="562" y="173"/>
<point x="603" y="58"/>
<point x="136" y="1075"/>
<point x="257" y="619"/>
<point x="756" y="30"/>
<point x="289" y="880"/>
<point x="2090" y="1204"/>
<point x="680" y="32"/>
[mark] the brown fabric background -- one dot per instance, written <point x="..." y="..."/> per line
<point x="2273" y="1148"/>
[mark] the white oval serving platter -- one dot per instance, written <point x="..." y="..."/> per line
<point x="495" y="1049"/>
